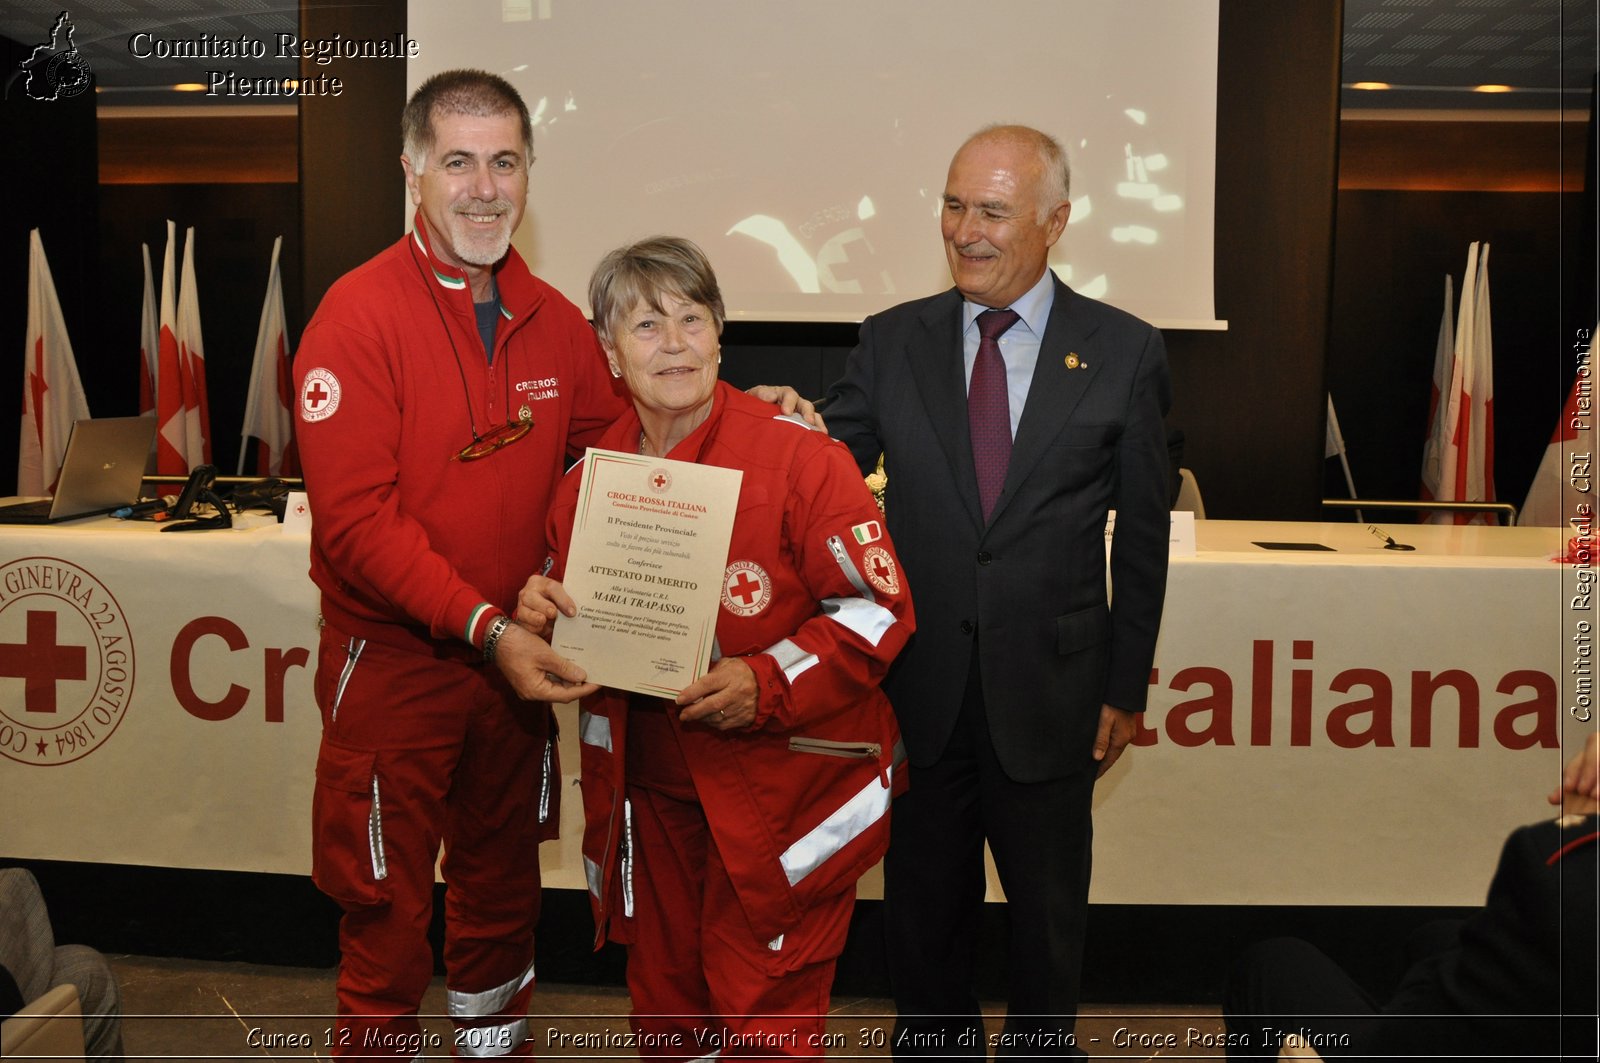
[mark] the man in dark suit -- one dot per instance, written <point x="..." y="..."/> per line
<point x="1006" y="438"/>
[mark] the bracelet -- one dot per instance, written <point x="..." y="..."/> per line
<point x="491" y="639"/>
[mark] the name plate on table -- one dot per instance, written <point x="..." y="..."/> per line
<point x="297" y="513"/>
<point x="649" y="547"/>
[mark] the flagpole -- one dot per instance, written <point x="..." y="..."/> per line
<point x="1336" y="437"/>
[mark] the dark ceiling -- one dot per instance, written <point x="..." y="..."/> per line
<point x="1434" y="53"/>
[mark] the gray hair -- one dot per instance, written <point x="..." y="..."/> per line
<point x="1057" y="184"/>
<point x="471" y="92"/>
<point x="645" y="271"/>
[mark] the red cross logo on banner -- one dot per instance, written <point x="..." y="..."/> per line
<point x="41" y="662"/>
<point x="660" y="479"/>
<point x="66" y="662"/>
<point x="746" y="588"/>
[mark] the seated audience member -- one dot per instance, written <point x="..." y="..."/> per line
<point x="1515" y="979"/>
<point x="31" y="959"/>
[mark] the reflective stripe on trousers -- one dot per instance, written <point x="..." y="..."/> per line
<point x="594" y="730"/>
<point x="842" y="826"/>
<point x="488" y="1041"/>
<point x="592" y="873"/>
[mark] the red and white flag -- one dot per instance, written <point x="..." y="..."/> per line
<point x="1475" y="427"/>
<point x="52" y="394"/>
<point x="267" y="403"/>
<point x="171" y="451"/>
<point x="192" y="356"/>
<point x="149" y="342"/>
<point x="1566" y="477"/>
<point x="185" y="434"/>
<point x="1440" y="431"/>
<point x="1467" y="461"/>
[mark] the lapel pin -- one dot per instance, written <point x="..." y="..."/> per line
<point x="1074" y="362"/>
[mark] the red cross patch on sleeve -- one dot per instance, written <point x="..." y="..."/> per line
<point x="746" y="588"/>
<point x="319" y="395"/>
<point x="881" y="570"/>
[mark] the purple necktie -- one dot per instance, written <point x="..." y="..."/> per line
<point x="988" y="409"/>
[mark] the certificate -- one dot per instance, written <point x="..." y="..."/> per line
<point x="649" y="548"/>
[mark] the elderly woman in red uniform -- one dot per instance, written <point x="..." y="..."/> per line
<point x="726" y="830"/>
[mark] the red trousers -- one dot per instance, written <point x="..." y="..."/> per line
<point x="701" y="981"/>
<point x="418" y="752"/>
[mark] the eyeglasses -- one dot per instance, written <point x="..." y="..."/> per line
<point x="497" y="438"/>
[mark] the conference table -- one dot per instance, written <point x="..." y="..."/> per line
<point x="1331" y="721"/>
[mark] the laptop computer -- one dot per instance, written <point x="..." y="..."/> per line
<point x="101" y="471"/>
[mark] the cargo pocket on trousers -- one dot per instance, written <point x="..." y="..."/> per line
<point x="347" y="854"/>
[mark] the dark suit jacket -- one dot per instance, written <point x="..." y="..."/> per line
<point x="1530" y="951"/>
<point x="1031" y="585"/>
<point x="1515" y="980"/>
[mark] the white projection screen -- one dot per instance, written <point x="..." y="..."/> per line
<point x="804" y="144"/>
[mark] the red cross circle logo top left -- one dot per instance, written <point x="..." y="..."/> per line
<point x="66" y="661"/>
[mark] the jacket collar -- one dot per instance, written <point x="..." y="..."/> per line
<point x="1032" y="306"/>
<point x="624" y="433"/>
<point x="444" y="275"/>
<point x="520" y="294"/>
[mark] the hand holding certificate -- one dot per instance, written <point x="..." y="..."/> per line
<point x="649" y="548"/>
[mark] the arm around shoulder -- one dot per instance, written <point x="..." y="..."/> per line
<point x="849" y="404"/>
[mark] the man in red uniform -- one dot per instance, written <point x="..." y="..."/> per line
<point x="441" y="387"/>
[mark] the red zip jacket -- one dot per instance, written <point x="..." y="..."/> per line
<point x="815" y="602"/>
<point x="409" y="547"/>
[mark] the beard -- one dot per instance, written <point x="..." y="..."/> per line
<point x="472" y="244"/>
